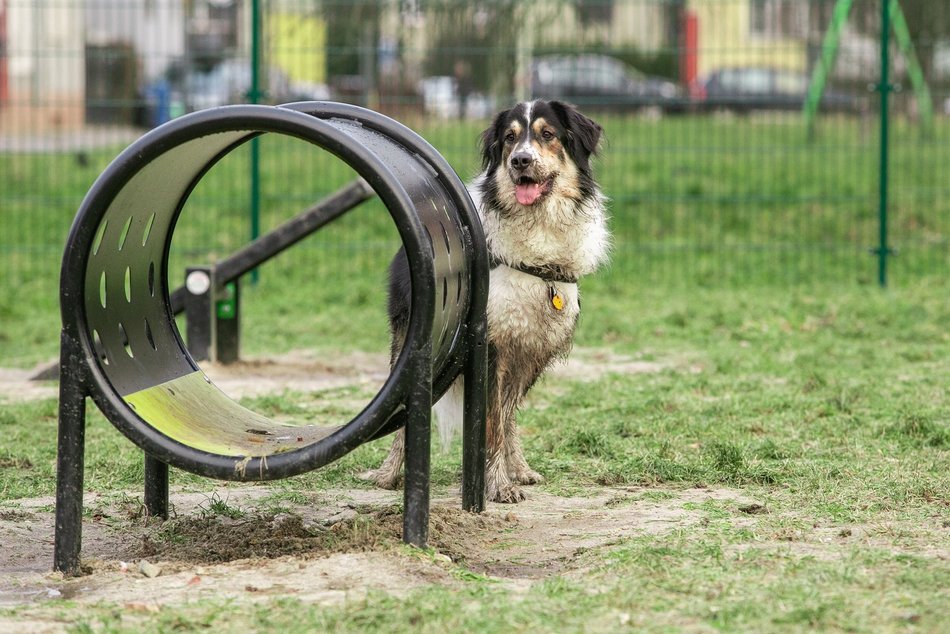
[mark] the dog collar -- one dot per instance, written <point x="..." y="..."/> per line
<point x="550" y="273"/>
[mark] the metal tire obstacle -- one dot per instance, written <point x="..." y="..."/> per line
<point x="121" y="347"/>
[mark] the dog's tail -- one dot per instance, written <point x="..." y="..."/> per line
<point x="448" y="413"/>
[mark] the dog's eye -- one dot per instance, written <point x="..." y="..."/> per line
<point x="547" y="135"/>
<point x="509" y="137"/>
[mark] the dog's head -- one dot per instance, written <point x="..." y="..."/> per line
<point x="537" y="149"/>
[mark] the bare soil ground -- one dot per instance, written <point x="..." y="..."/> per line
<point x="305" y="371"/>
<point x="338" y="546"/>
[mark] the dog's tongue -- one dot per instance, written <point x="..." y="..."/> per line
<point x="528" y="194"/>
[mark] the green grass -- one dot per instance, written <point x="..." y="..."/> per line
<point x="696" y="201"/>
<point x="641" y="591"/>
<point x="827" y="406"/>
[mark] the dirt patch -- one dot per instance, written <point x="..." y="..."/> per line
<point x="16" y="386"/>
<point x="590" y="364"/>
<point x="306" y="371"/>
<point x="217" y="539"/>
<point x="247" y="543"/>
<point x="231" y="543"/>
<point x="301" y="371"/>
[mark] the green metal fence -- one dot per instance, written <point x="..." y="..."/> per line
<point x="719" y="168"/>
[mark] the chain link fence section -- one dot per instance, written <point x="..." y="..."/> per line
<point x="715" y="171"/>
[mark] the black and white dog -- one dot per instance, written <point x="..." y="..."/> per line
<point x="546" y="227"/>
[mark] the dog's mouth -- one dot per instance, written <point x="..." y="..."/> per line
<point x="528" y="190"/>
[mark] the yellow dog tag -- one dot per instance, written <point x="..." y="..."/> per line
<point x="557" y="300"/>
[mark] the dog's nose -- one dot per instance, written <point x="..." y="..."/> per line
<point x="521" y="160"/>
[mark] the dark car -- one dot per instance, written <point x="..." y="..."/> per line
<point x="746" y="89"/>
<point x="601" y="81"/>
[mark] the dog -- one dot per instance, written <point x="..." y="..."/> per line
<point x="545" y="223"/>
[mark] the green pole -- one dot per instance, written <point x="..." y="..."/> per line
<point x="829" y="50"/>
<point x="917" y="80"/>
<point x="254" y="96"/>
<point x="884" y="88"/>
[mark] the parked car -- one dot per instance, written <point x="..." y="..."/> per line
<point x="603" y="82"/>
<point x="745" y="89"/>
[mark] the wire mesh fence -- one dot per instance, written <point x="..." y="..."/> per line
<point x="715" y="170"/>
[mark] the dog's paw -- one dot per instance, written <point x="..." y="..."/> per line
<point x="383" y="478"/>
<point x="528" y="476"/>
<point x="506" y="494"/>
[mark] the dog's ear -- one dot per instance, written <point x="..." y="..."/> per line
<point x="491" y="142"/>
<point x="583" y="134"/>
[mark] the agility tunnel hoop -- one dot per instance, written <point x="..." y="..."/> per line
<point x="121" y="347"/>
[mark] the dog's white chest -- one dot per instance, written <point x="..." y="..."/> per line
<point x="574" y="238"/>
<point x="529" y="312"/>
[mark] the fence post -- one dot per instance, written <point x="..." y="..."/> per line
<point x="884" y="87"/>
<point x="254" y="96"/>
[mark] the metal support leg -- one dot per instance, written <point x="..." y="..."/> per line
<point x="473" y="428"/>
<point x="156" y="487"/>
<point x="199" y="307"/>
<point x="227" y="324"/>
<point x="415" y="519"/>
<point x="69" y="462"/>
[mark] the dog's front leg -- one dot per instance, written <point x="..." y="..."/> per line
<point x="512" y="393"/>
<point x="388" y="474"/>
<point x="498" y="484"/>
<point x="518" y="468"/>
<point x="499" y="487"/>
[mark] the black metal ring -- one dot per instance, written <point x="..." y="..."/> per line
<point x="304" y="121"/>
